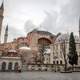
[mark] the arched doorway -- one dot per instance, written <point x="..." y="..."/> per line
<point x="43" y="48"/>
<point x="10" y="66"/>
<point x="3" y="66"/>
<point x="16" y="66"/>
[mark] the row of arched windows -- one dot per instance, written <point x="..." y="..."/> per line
<point x="10" y="64"/>
<point x="57" y="62"/>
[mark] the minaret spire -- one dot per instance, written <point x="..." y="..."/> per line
<point x="6" y="34"/>
<point x="1" y="17"/>
<point x="79" y="26"/>
<point x="2" y="5"/>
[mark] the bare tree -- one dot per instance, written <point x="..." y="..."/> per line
<point x="42" y="49"/>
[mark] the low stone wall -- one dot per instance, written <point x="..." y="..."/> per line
<point x="42" y="67"/>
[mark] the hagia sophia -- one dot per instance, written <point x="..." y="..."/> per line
<point x="39" y="50"/>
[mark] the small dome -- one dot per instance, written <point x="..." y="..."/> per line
<point x="62" y="37"/>
<point x="12" y="50"/>
<point x="25" y="48"/>
<point x="66" y="37"/>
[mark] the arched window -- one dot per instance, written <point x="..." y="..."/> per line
<point x="53" y="62"/>
<point x="39" y="65"/>
<point x="60" y="61"/>
<point x="57" y="62"/>
<point x="10" y="66"/>
<point x="3" y="66"/>
<point x="16" y="66"/>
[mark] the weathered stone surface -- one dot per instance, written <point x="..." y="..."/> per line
<point x="39" y="76"/>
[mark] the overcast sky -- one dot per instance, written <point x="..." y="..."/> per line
<point x="52" y="15"/>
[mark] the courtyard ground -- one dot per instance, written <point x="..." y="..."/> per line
<point x="39" y="76"/>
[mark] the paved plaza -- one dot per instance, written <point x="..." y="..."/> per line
<point x="39" y="76"/>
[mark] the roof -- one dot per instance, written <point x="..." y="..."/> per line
<point x="66" y="37"/>
<point x="41" y="30"/>
<point x="21" y="38"/>
<point x="12" y="50"/>
<point x="25" y="48"/>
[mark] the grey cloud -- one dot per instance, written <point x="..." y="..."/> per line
<point x="14" y="33"/>
<point x="71" y="10"/>
<point x="29" y="26"/>
<point x="70" y="14"/>
<point x="64" y="20"/>
<point x="50" y="21"/>
<point x="67" y="18"/>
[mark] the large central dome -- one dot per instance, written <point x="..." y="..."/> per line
<point x="41" y="30"/>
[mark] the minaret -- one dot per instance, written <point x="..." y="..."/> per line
<point x="79" y="27"/>
<point x="6" y="34"/>
<point x="1" y="17"/>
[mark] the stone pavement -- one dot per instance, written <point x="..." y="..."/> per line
<point x="39" y="76"/>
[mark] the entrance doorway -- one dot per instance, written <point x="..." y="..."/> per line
<point x="10" y="66"/>
<point x="3" y="66"/>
